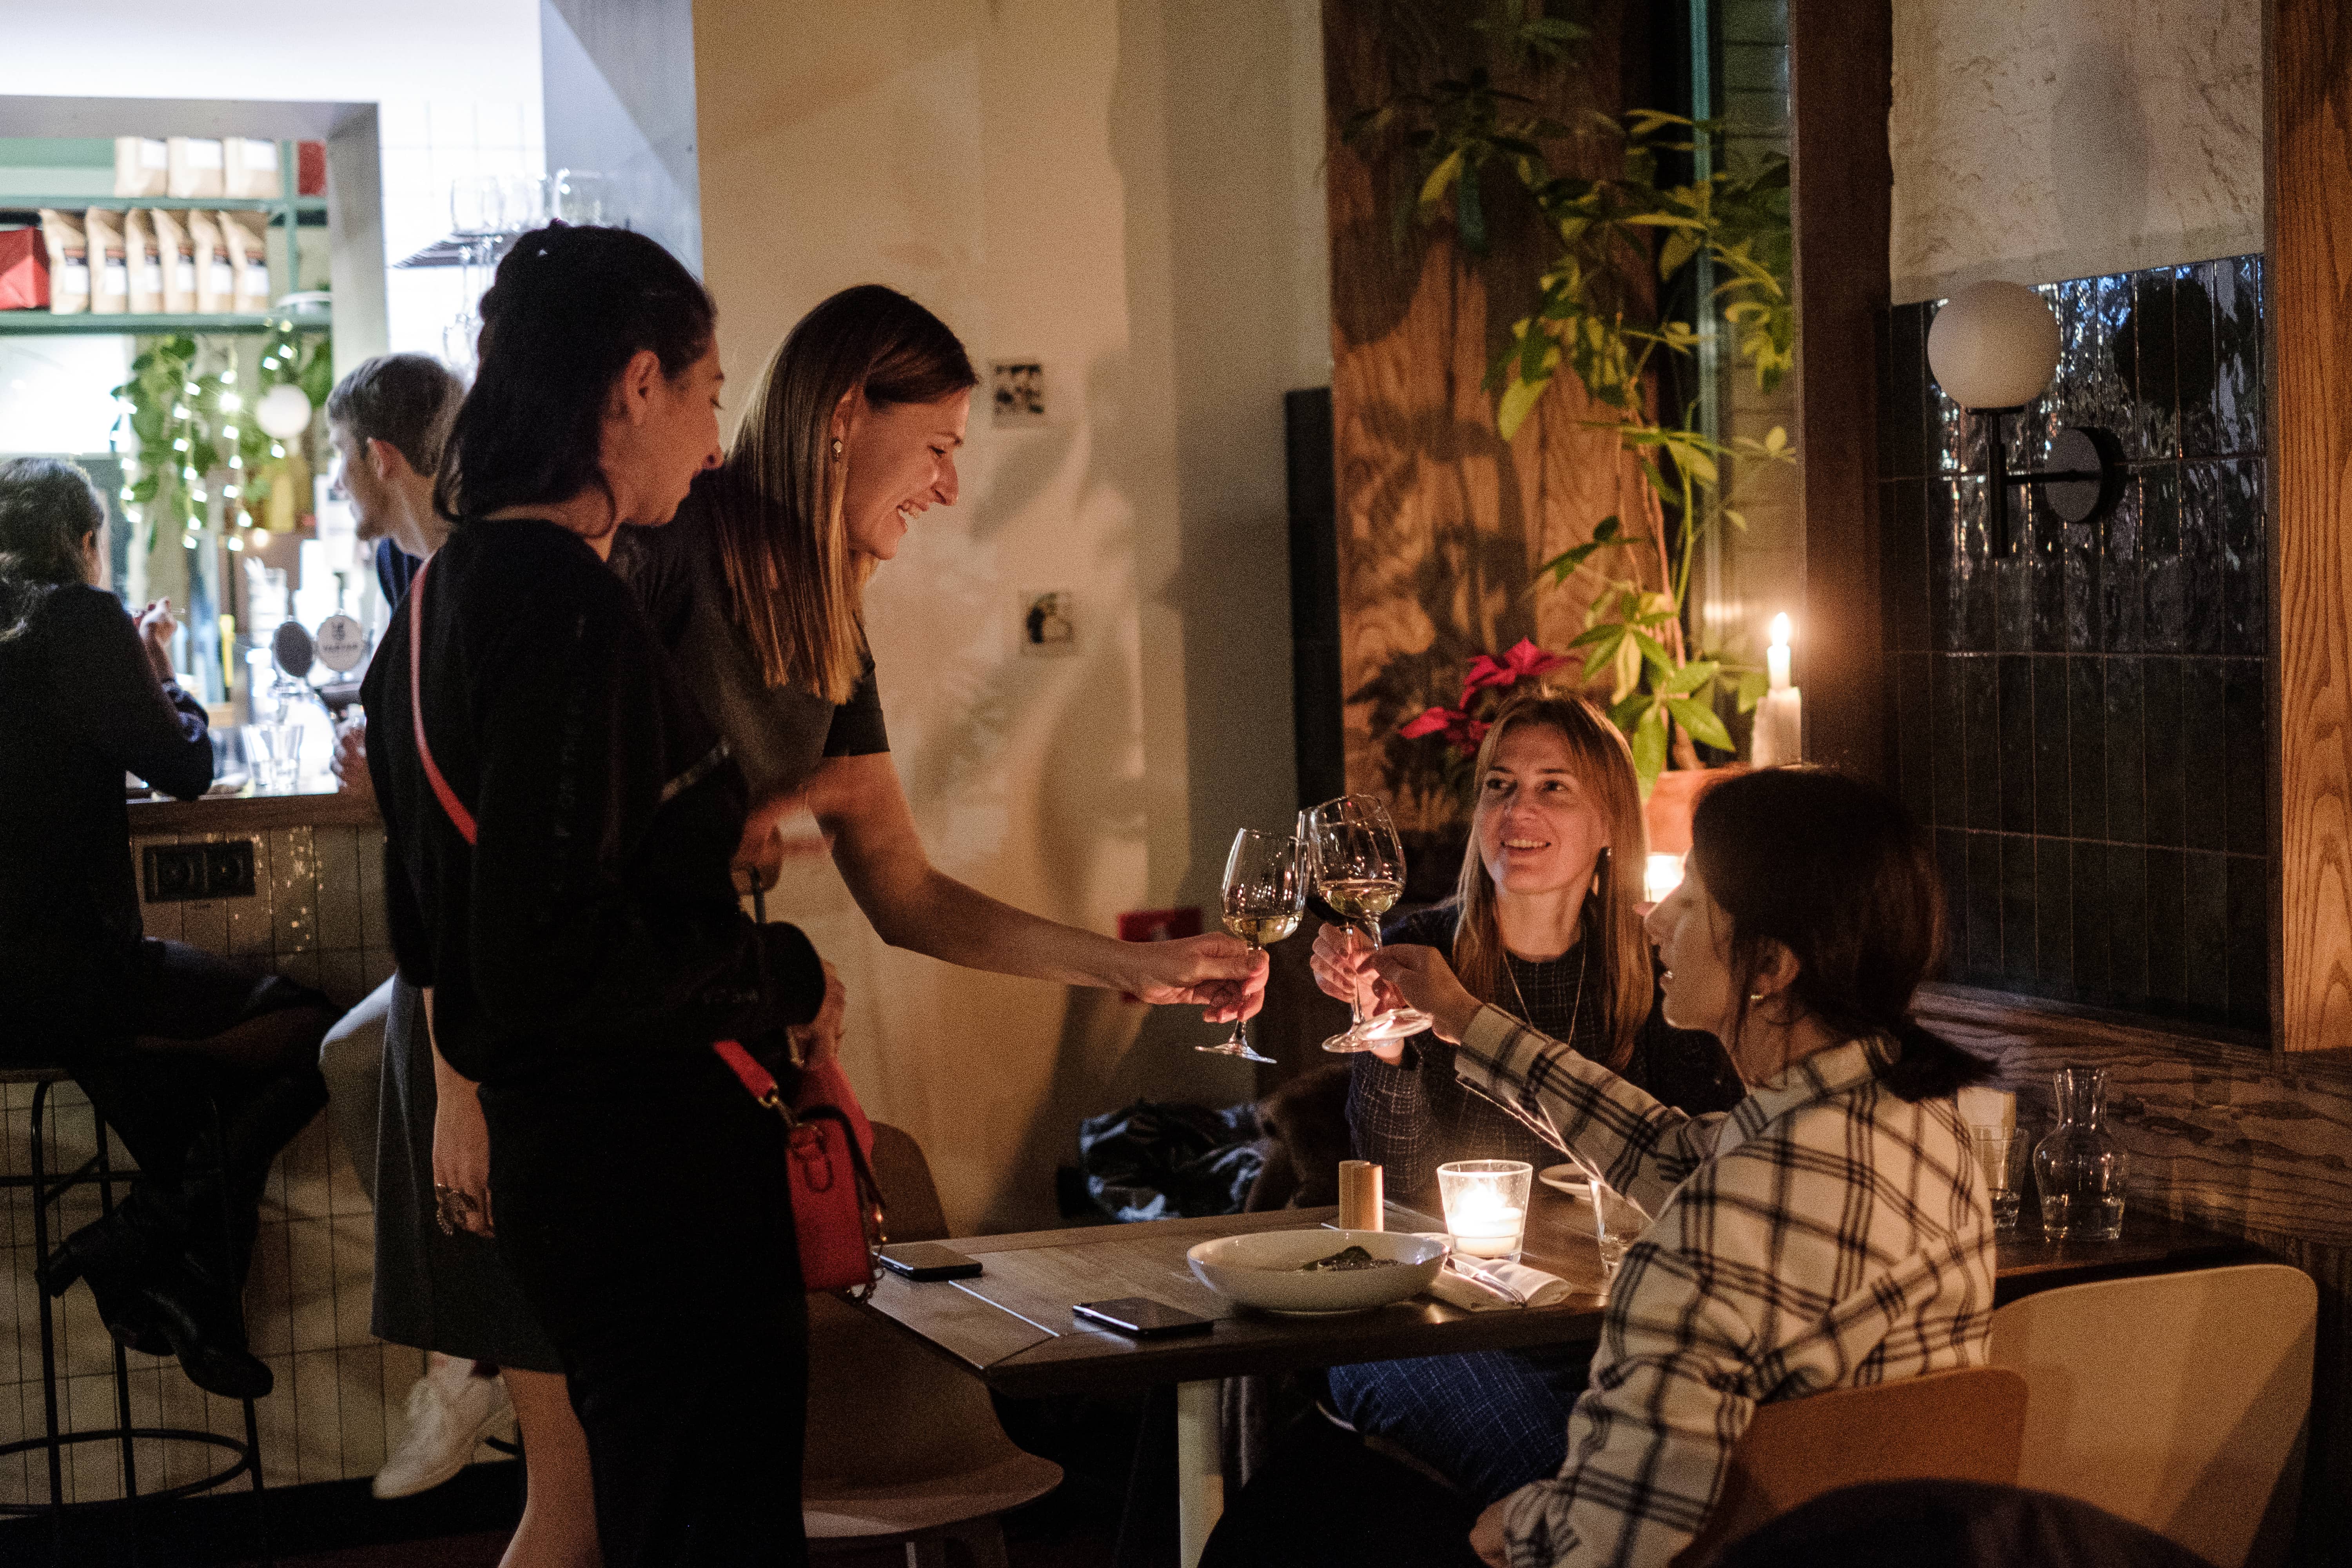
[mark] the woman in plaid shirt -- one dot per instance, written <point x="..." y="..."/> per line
<point x="1829" y="1231"/>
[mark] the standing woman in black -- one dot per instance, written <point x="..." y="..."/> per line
<point x="583" y="942"/>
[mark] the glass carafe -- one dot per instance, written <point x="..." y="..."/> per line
<point x="2079" y="1169"/>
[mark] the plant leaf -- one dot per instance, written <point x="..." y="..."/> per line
<point x="1701" y="722"/>
<point x="1751" y="689"/>
<point x="1649" y="748"/>
<point x="1518" y="401"/>
<point x="1689" y="678"/>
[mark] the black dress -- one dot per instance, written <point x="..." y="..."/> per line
<point x="584" y="953"/>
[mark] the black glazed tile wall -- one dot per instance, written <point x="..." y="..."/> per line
<point x="2083" y="718"/>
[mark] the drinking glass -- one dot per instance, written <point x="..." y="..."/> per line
<point x="1486" y="1204"/>
<point x="1618" y="1223"/>
<point x="275" y="748"/>
<point x="1265" y="894"/>
<point x="1999" y="1158"/>
<point x="1360" y="871"/>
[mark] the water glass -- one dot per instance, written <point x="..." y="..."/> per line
<point x="1618" y="1223"/>
<point x="2000" y="1157"/>
<point x="275" y="747"/>
<point x="1486" y="1204"/>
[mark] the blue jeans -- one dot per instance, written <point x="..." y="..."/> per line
<point x="1491" y="1421"/>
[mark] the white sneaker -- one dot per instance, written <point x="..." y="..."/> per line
<point x="449" y="1417"/>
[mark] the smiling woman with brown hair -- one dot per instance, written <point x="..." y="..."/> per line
<point x="849" y="436"/>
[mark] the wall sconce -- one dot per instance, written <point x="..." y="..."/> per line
<point x="1993" y="347"/>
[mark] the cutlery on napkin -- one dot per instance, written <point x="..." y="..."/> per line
<point x="1482" y="1286"/>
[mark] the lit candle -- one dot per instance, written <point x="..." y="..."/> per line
<point x="1780" y="733"/>
<point x="1486" y="1205"/>
<point x="1661" y="877"/>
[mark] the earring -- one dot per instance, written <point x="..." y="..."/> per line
<point x="836" y="448"/>
<point x="1600" y="868"/>
<point x="1756" y="995"/>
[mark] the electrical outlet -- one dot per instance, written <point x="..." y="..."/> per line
<point x="181" y="873"/>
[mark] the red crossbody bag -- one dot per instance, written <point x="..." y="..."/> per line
<point x="836" y="1205"/>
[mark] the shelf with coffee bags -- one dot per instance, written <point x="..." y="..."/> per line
<point x="123" y="324"/>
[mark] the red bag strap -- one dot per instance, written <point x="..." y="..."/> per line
<point x="459" y="817"/>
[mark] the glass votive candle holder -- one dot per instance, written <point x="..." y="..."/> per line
<point x="1486" y="1204"/>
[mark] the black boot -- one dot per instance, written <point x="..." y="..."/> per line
<point x="116" y="1258"/>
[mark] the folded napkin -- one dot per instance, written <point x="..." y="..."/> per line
<point x="1534" y="1286"/>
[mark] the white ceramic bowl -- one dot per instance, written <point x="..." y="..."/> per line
<point x="1262" y="1270"/>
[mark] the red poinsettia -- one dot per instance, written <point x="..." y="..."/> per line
<point x="1522" y="661"/>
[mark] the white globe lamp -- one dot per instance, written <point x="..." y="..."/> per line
<point x="284" y="412"/>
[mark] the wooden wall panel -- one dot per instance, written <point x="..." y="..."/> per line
<point x="1841" y="56"/>
<point x="1439" y="521"/>
<point x="2310" y="206"/>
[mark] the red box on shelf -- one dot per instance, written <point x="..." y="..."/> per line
<point x="310" y="168"/>
<point x="24" y="271"/>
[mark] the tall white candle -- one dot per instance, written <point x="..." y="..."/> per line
<point x="1780" y="733"/>
<point x="1775" y="657"/>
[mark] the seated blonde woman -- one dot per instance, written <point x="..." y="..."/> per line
<point x="1828" y="1232"/>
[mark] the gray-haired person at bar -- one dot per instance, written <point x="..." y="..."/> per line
<point x="1829" y="1231"/>
<point x="150" y="1029"/>
<point x="412" y="1126"/>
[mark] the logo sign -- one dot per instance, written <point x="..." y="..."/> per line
<point x="343" y="643"/>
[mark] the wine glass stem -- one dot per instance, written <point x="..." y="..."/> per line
<point x="1240" y="1025"/>
<point x="1372" y="930"/>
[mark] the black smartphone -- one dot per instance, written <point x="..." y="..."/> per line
<point x="1142" y="1317"/>
<point x="928" y="1261"/>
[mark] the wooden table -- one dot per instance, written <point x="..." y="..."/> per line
<point x="1013" y="1326"/>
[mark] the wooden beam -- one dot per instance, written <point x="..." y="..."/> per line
<point x="1841" y="69"/>
<point x="2308" y="45"/>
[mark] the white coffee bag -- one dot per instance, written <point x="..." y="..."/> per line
<point x="143" y="166"/>
<point x="68" y="262"/>
<point x="110" y="265"/>
<point x="252" y="170"/>
<point x="196" y="166"/>
<point x="216" y="278"/>
<point x="179" y="258"/>
<point x="145" y="260"/>
<point x="248" y="255"/>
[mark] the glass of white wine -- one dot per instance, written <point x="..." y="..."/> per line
<point x="1360" y="871"/>
<point x="1265" y="894"/>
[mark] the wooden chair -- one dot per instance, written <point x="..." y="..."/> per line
<point x="1965" y="1424"/>
<point x="905" y="1450"/>
<point x="2177" y="1401"/>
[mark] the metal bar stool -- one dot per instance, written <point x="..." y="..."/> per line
<point x="246" y="1456"/>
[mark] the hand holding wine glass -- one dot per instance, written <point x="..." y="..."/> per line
<point x="1360" y="871"/>
<point x="1265" y="895"/>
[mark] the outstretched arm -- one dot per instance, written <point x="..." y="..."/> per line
<point x="862" y="810"/>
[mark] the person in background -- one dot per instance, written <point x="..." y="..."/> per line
<point x="849" y="435"/>
<point x="1545" y="926"/>
<point x="1832" y="1231"/>
<point x="561" y="822"/>
<point x="413" y="1124"/>
<point x="155" y="1032"/>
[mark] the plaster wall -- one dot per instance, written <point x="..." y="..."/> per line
<point x="1130" y="193"/>
<point x="2036" y="140"/>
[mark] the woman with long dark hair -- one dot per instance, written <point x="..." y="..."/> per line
<point x="851" y="433"/>
<point x="1830" y="1231"/>
<point x="561" y="818"/>
<point x="1545" y="925"/>
<point x="150" y="1029"/>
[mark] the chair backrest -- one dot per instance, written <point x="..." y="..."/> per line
<point x="2177" y="1401"/>
<point x="908" y="1195"/>
<point x="1964" y="1425"/>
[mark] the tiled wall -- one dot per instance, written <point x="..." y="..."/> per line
<point x="426" y="146"/>
<point x="2083" y="718"/>
<point x="317" y="917"/>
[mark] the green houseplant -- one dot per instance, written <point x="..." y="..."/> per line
<point x="1641" y="270"/>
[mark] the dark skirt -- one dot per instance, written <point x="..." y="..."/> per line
<point x="436" y="1292"/>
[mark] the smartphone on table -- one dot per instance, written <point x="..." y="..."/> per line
<point x="927" y="1260"/>
<point x="1140" y="1317"/>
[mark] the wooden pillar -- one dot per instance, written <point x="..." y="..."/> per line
<point x="2308" y="48"/>
<point x="1841" y="64"/>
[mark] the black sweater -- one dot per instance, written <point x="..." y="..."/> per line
<point x="594" y="927"/>
<point x="80" y="706"/>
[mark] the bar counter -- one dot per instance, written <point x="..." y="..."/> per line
<point x="315" y="803"/>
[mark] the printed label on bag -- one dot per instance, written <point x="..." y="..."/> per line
<point x="203" y="152"/>
<point x="153" y="154"/>
<point x="115" y="278"/>
<point x="223" y="279"/>
<point x="73" y="277"/>
<point x="261" y="155"/>
<point x="150" y="278"/>
<point x="183" y="277"/>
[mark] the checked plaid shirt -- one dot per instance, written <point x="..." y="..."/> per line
<point x="1821" y="1233"/>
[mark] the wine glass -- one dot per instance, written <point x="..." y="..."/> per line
<point x="1265" y="894"/>
<point x="1360" y="871"/>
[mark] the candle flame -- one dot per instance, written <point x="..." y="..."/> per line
<point x="1780" y="630"/>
